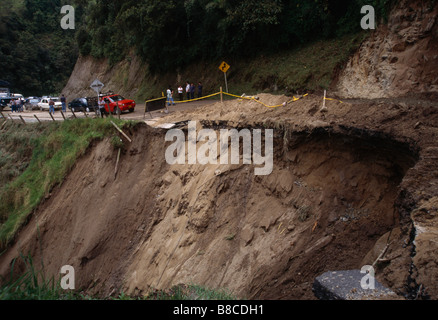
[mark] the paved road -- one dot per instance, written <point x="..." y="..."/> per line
<point x="139" y="114"/>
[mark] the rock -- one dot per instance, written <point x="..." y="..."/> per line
<point x="399" y="47"/>
<point x="346" y="285"/>
<point x="246" y="235"/>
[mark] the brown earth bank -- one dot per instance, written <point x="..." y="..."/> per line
<point x="345" y="183"/>
<point x="400" y="57"/>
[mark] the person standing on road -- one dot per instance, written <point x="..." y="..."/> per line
<point x="181" y="93"/>
<point x="64" y="103"/>
<point x="188" y="90"/>
<point x="170" y="96"/>
<point x="13" y="105"/>
<point x="199" y="89"/>
<point x="18" y="105"/>
<point x="102" y="107"/>
<point x="52" y="107"/>
<point x="192" y="91"/>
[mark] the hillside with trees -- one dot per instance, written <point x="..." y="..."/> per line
<point x="37" y="55"/>
<point x="176" y="33"/>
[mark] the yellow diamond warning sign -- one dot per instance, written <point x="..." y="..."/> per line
<point x="224" y="67"/>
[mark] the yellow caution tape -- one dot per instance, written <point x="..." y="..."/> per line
<point x="236" y="96"/>
<point x="333" y="100"/>
<point x="198" y="99"/>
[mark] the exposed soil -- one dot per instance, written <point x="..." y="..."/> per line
<point x="399" y="58"/>
<point x="344" y="182"/>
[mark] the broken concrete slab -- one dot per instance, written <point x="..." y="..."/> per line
<point x="346" y="285"/>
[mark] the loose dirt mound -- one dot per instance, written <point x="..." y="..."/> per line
<point x="341" y="181"/>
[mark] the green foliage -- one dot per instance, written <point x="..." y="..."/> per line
<point x="31" y="284"/>
<point x="172" y="34"/>
<point x="348" y="21"/>
<point x="54" y="154"/>
<point x="117" y="143"/>
<point x="190" y="292"/>
<point x="16" y="147"/>
<point x="36" y="54"/>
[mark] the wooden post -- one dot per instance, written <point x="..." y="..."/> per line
<point x="22" y="120"/>
<point x="222" y="95"/>
<point x="117" y="164"/>
<point x="63" y="116"/>
<point x="145" y="109"/>
<point x="3" y="124"/>
<point x="324" y="108"/>
<point x="51" y="115"/>
<point x="85" y="115"/>
<point x="325" y="96"/>
<point x="226" y="82"/>
<point x="118" y="129"/>
<point x="73" y="114"/>
<point x="37" y="118"/>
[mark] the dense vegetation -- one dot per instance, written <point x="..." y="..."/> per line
<point x="174" y="33"/>
<point x="37" y="55"/>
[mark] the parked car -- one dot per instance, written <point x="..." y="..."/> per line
<point x="44" y="104"/>
<point x="31" y="103"/>
<point x="116" y="102"/>
<point x="83" y="104"/>
<point x="5" y="95"/>
<point x="5" y="101"/>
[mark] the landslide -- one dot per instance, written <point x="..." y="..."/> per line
<point x="343" y="180"/>
<point x="400" y="58"/>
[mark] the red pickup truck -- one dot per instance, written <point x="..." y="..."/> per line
<point x="116" y="101"/>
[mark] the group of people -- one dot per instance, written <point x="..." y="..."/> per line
<point x="190" y="90"/>
<point x="17" y="105"/>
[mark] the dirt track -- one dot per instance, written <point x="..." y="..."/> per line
<point x="342" y="180"/>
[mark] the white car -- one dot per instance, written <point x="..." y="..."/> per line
<point x="44" y="104"/>
<point x="17" y="96"/>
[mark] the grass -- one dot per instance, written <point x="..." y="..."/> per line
<point x="311" y="67"/>
<point x="32" y="284"/>
<point x="16" y="147"/>
<point x="190" y="292"/>
<point x="54" y="152"/>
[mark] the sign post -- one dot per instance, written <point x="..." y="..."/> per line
<point x="97" y="86"/>
<point x="224" y="67"/>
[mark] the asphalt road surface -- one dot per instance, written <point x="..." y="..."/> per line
<point x="139" y="114"/>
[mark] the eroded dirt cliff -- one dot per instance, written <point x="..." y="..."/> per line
<point x="343" y="180"/>
<point x="399" y="58"/>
